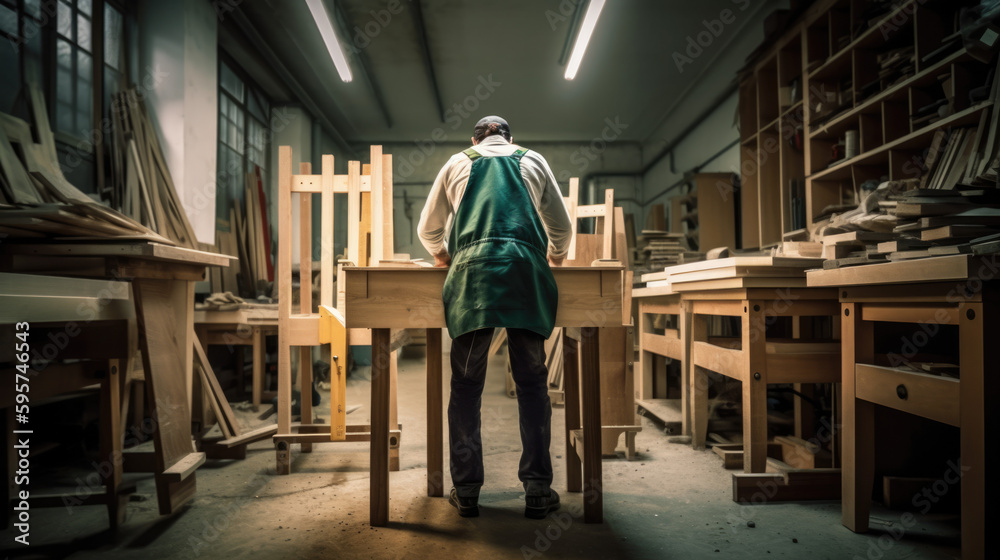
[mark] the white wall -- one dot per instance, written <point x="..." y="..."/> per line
<point x="716" y="70"/>
<point x="178" y="71"/>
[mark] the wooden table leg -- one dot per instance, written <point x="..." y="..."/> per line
<point x="258" y="364"/>
<point x="590" y="389"/>
<point x="978" y="390"/>
<point x="435" y="434"/>
<point x="111" y="443"/>
<point x="381" y="357"/>
<point x="684" y="331"/>
<point x="699" y="383"/>
<point x="165" y="309"/>
<point x="754" y="380"/>
<point x="858" y="463"/>
<point x="305" y="390"/>
<point x="571" y="387"/>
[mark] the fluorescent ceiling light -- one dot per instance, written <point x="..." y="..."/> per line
<point x="322" y="19"/>
<point x="586" y="30"/>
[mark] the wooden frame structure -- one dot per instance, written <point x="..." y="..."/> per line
<point x="674" y="343"/>
<point x="162" y="280"/>
<point x="589" y="297"/>
<point x="367" y="215"/>
<point x="951" y="290"/>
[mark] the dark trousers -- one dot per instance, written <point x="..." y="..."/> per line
<point x="468" y="374"/>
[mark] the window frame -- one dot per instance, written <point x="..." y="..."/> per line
<point x="250" y="88"/>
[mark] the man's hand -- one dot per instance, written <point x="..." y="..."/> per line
<point x="555" y="261"/>
<point x="442" y="260"/>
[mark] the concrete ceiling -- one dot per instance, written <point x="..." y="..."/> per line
<point x="628" y="75"/>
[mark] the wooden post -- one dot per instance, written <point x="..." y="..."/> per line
<point x="111" y="443"/>
<point x="283" y="465"/>
<point x="590" y="392"/>
<point x="258" y="365"/>
<point x="379" y="493"/>
<point x="754" y="379"/>
<point x="857" y="346"/>
<point x="571" y="387"/>
<point x="305" y="301"/>
<point x="699" y="381"/>
<point x="978" y="391"/>
<point x="435" y="435"/>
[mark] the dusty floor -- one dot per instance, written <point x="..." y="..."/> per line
<point x="672" y="502"/>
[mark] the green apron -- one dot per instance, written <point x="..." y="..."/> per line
<point x="499" y="275"/>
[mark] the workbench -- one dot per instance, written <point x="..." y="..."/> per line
<point x="959" y="290"/>
<point x="68" y="319"/>
<point x="162" y="282"/>
<point x="246" y="326"/>
<point x="385" y="298"/>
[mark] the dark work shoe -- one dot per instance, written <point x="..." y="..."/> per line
<point x="467" y="507"/>
<point x="537" y="507"/>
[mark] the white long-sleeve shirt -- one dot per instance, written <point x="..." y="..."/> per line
<point x="449" y="187"/>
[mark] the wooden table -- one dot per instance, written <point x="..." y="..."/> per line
<point x="240" y="327"/>
<point x="76" y="320"/>
<point x="674" y="344"/>
<point x="162" y="279"/>
<point x="958" y="290"/>
<point x="383" y="298"/>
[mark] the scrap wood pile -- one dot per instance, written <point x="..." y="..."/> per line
<point x="249" y="239"/>
<point x="659" y="248"/>
<point x="141" y="183"/>
<point x="36" y="200"/>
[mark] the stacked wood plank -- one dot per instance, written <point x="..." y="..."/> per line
<point x="662" y="248"/>
<point x="249" y="238"/>
<point x="736" y="272"/>
<point x="142" y="185"/>
<point x="36" y="200"/>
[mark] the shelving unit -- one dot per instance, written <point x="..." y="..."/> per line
<point x="852" y="93"/>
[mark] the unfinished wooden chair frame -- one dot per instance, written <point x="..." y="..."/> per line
<point x="366" y="214"/>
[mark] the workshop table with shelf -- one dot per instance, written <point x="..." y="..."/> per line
<point x="756" y="290"/>
<point x="958" y="290"/>
<point x="162" y="279"/>
<point x="385" y="297"/>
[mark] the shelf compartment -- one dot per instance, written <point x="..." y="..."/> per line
<point x="917" y="139"/>
<point x="769" y="187"/>
<point x="767" y="92"/>
<point x="873" y="37"/>
<point x="748" y="109"/>
<point x="899" y="91"/>
<point x="750" y="224"/>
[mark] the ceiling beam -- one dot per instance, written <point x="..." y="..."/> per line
<point x="243" y="22"/>
<point x="425" y="49"/>
<point x="344" y="26"/>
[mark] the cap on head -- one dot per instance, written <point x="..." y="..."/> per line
<point x="488" y="126"/>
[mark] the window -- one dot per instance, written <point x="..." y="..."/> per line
<point x="52" y="43"/>
<point x="74" y="73"/>
<point x="21" y="54"/>
<point x="244" y="114"/>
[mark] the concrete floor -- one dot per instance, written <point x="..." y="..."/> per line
<point x="672" y="502"/>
